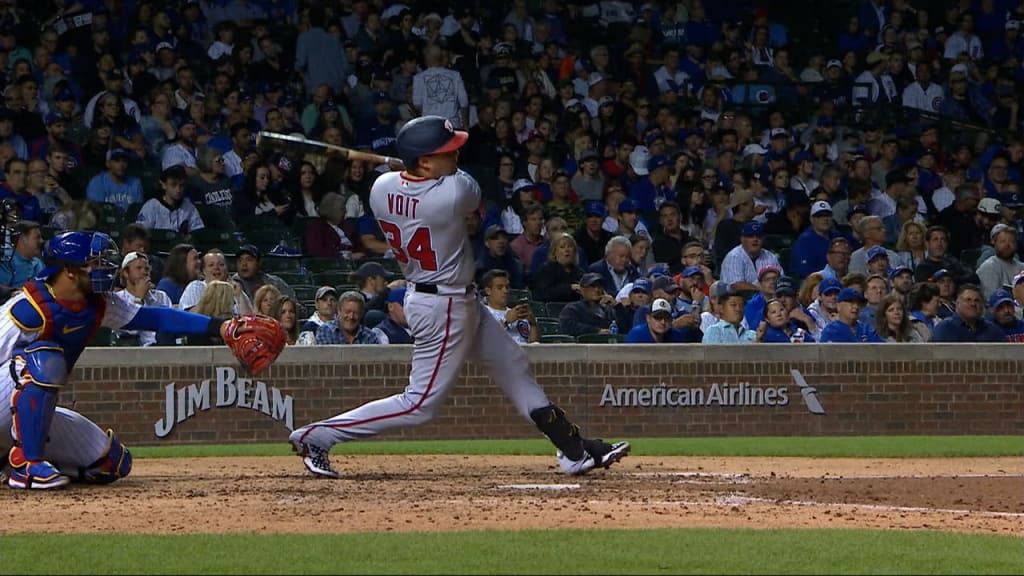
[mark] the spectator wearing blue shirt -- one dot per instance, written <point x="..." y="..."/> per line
<point x="652" y="190"/>
<point x="114" y="186"/>
<point x="730" y="329"/>
<point x="1003" y="309"/>
<point x="658" y="328"/>
<point x="847" y="327"/>
<point x="24" y="263"/>
<point x="16" y="178"/>
<point x="377" y="132"/>
<point x="968" y="324"/>
<point x="838" y="258"/>
<point x="811" y="249"/>
<point x="767" y="277"/>
<point x="780" y="328"/>
<point x="497" y="256"/>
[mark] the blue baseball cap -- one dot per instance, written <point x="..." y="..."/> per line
<point x="63" y="95"/>
<point x="53" y="118"/>
<point x="998" y="298"/>
<point x="753" y="228"/>
<point x="595" y="209"/>
<point x="692" y="271"/>
<point x="641" y="285"/>
<point x="659" y="161"/>
<point x="628" y="205"/>
<point x="850" y="295"/>
<point x="653" y="137"/>
<point x="1011" y="200"/>
<point x="830" y="285"/>
<point x="660" y="270"/>
<point x="118" y="154"/>
<point x="396" y="295"/>
<point x="876" y="252"/>
<point x="899" y="270"/>
<point x="939" y="275"/>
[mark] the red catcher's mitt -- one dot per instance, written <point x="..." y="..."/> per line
<point x="255" y="340"/>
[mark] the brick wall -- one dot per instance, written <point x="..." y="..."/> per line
<point x="876" y="389"/>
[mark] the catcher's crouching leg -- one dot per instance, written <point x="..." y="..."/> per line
<point x="115" y="464"/>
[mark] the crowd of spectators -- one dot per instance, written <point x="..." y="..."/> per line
<point x="665" y="172"/>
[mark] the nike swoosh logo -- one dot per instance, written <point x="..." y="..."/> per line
<point x="70" y="329"/>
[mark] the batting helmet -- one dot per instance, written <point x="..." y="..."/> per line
<point x="81" y="249"/>
<point x="427" y="135"/>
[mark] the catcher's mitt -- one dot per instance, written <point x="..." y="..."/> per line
<point x="255" y="340"/>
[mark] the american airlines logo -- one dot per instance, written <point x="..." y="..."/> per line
<point x="717" y="394"/>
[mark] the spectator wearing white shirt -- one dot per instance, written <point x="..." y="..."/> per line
<point x="923" y="94"/>
<point x="215" y="267"/>
<point x="964" y="40"/>
<point x="824" y="309"/>
<point x="136" y="288"/>
<point x="518" y="320"/>
<point x="740" y="265"/>
<point x="171" y="211"/>
<point x="240" y="135"/>
<point x="669" y="77"/>
<point x="183" y="151"/>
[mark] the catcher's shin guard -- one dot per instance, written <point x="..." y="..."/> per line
<point x="115" y="464"/>
<point x="565" y="435"/>
<point x="32" y="408"/>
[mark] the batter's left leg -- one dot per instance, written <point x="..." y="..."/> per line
<point x="508" y="365"/>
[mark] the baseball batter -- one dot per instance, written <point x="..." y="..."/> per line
<point x="43" y="330"/>
<point x="421" y="213"/>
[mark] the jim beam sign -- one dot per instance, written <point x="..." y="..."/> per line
<point x="180" y="404"/>
<point x="717" y="394"/>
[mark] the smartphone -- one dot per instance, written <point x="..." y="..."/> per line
<point x="523" y="302"/>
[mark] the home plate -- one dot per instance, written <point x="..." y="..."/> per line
<point x="539" y="487"/>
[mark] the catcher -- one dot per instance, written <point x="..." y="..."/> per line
<point x="43" y="330"/>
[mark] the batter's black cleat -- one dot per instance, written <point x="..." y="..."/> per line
<point x="606" y="454"/>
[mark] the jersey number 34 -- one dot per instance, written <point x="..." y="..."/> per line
<point x="418" y="248"/>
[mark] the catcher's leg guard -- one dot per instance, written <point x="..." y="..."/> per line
<point x="39" y="371"/>
<point x="115" y="464"/>
<point x="565" y="435"/>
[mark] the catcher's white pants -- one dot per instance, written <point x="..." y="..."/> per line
<point x="73" y="442"/>
<point x="448" y="330"/>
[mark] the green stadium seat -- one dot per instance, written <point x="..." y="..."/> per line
<point x="539" y="309"/>
<point x="332" y="278"/>
<point x="557" y="339"/>
<point x="547" y="327"/>
<point x="274" y="264"/>
<point x="161" y="241"/>
<point x="305" y="292"/>
<point x="215" y="217"/>
<point x="293" y="277"/>
<point x="554" y="309"/>
<point x="315" y="265"/>
<point x="601" y="338"/>
<point x="970" y="257"/>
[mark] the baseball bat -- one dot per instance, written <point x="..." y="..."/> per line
<point x="266" y="138"/>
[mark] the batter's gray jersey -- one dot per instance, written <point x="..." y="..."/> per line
<point x="416" y="218"/>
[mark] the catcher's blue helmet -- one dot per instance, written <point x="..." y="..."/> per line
<point x="427" y="135"/>
<point x="81" y="249"/>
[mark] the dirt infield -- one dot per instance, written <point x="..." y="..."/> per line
<point x="434" y="493"/>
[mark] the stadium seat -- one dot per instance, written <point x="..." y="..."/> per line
<point x="332" y="277"/>
<point x="275" y="264"/>
<point x="305" y="292"/>
<point x="539" y="309"/>
<point x="315" y="265"/>
<point x="557" y="339"/>
<point x="970" y="257"/>
<point x="554" y="309"/>
<point x="111" y="218"/>
<point x="216" y="217"/>
<point x="516" y="294"/>
<point x="600" y="338"/>
<point x="161" y="241"/>
<point x="547" y="327"/>
<point x="293" y="277"/>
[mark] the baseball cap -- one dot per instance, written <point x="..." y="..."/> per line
<point x="721" y="290"/>
<point x="877" y="252"/>
<point x="589" y="154"/>
<point x="858" y="209"/>
<point x="778" y="133"/>
<point x="591" y="279"/>
<point x="833" y="64"/>
<point x="1018" y="278"/>
<point x="659" y="270"/>
<point x="784" y="286"/>
<point x="428" y="135"/>
<point x="595" y="209"/>
<point x="493" y="230"/>
<point x="999" y="228"/>
<point x="851" y="295"/>
<point x="638" y="160"/>
<point x="628" y="205"/>
<point x="371" y="270"/>
<point x="1012" y="25"/>
<point x="63" y="95"/>
<point x="1012" y="200"/>
<point x="939" y="275"/>
<point x="326" y="290"/>
<point x="522" y="184"/>
<point x="998" y="298"/>
<point x="830" y="285"/>
<point x="753" y="228"/>
<point x="803" y="156"/>
<point x="117" y="154"/>
<point x="653" y="137"/>
<point x="661" y="307"/>
<point x="396" y="295"/>
<point x="740" y="197"/>
<point x="768" y="270"/>
<point x="655" y="162"/>
<point x="595" y="79"/>
<point x="606" y="101"/>
<point x="502" y="49"/>
<point x="896" y="176"/>
<point x="572" y="102"/>
<point x="248" y="249"/>
<point x="754" y="149"/>
<point x="664" y="283"/>
<point x="53" y="118"/>
<point x="641" y="285"/>
<point x="131" y="257"/>
<point x="692" y="271"/>
<point x="821" y="207"/>
<point x="164" y="46"/>
<point x="899" y="270"/>
<point x="989" y="206"/>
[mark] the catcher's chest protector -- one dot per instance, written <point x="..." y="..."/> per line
<point x="69" y="324"/>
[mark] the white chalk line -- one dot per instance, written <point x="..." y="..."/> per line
<point x="735" y="500"/>
<point x="744" y="478"/>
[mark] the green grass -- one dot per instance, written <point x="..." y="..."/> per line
<point x="703" y="551"/>
<point x="831" y="446"/>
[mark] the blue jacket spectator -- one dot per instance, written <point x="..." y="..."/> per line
<point x="320" y="56"/>
<point x="592" y="314"/>
<point x="848" y="327"/>
<point x="657" y="328"/>
<point x="968" y="324"/>
<point x="810" y="252"/>
<point x="497" y="256"/>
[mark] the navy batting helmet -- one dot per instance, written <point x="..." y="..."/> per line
<point x="427" y="135"/>
<point x="81" y="249"/>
